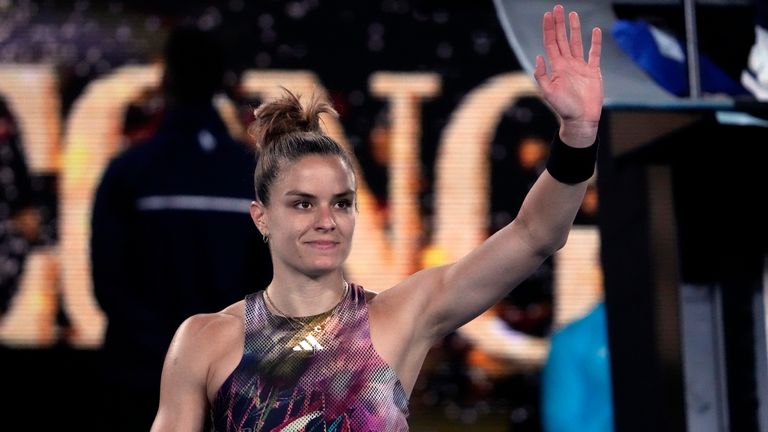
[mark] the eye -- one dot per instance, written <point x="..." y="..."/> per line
<point x="303" y="205"/>
<point x="344" y="204"/>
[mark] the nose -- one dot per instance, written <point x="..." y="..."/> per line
<point x="325" y="220"/>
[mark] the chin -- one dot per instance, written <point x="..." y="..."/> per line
<point x="324" y="267"/>
<point x="316" y="272"/>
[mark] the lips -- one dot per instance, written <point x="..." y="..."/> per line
<point x="323" y="244"/>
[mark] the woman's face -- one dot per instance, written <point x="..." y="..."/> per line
<point x="310" y="218"/>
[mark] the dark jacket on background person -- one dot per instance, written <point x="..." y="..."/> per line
<point x="172" y="237"/>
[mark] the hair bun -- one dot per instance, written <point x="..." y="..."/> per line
<point x="286" y="116"/>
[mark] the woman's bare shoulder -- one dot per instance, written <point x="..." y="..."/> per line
<point x="208" y="328"/>
<point x="201" y="345"/>
<point x="235" y="310"/>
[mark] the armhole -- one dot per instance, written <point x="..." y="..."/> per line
<point x="249" y="303"/>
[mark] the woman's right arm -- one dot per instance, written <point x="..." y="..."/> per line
<point x="183" y="396"/>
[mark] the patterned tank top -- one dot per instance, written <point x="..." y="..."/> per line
<point x="326" y="376"/>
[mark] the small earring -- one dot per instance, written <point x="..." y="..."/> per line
<point x="265" y="237"/>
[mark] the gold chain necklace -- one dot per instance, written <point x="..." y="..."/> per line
<point x="298" y="324"/>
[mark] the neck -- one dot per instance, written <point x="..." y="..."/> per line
<point x="305" y="296"/>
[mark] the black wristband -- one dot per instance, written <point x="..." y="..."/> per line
<point x="569" y="164"/>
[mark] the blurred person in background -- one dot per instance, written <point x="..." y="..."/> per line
<point x="171" y="234"/>
<point x="576" y="380"/>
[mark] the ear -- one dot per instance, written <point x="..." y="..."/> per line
<point x="259" y="217"/>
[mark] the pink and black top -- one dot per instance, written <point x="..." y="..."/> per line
<point x="333" y="380"/>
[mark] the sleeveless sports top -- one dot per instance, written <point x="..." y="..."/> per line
<point x="331" y="380"/>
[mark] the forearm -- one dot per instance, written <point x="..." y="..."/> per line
<point x="548" y="211"/>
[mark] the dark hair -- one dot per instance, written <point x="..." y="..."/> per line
<point x="194" y="64"/>
<point x="285" y="131"/>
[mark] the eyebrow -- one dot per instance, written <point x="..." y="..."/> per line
<point x="301" y="194"/>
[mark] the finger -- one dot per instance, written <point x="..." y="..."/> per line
<point x="540" y="73"/>
<point x="577" y="47"/>
<point x="548" y="30"/>
<point x="560" y="32"/>
<point x="596" y="48"/>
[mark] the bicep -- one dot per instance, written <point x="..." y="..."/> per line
<point x="461" y="291"/>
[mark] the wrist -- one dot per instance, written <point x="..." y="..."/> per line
<point x="578" y="134"/>
<point x="571" y="165"/>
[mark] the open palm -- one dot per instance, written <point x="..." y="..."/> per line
<point x="574" y="86"/>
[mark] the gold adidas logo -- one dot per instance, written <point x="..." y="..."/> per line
<point x="309" y="343"/>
